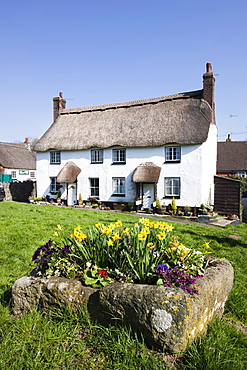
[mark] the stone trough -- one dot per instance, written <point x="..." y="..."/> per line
<point x="167" y="318"/>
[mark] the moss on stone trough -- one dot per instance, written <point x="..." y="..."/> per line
<point x="167" y="318"/>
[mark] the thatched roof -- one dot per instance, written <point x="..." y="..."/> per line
<point x="182" y="118"/>
<point x="147" y="172"/>
<point x="231" y="156"/>
<point x="68" y="173"/>
<point x="16" y="156"/>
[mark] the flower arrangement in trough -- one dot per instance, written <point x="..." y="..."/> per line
<point x="146" y="253"/>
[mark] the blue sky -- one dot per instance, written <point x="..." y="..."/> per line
<point x="108" y="51"/>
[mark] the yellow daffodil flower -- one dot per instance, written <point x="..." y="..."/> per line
<point x="115" y="237"/>
<point x="55" y="233"/>
<point x="59" y="227"/>
<point x="109" y="242"/>
<point x="206" y="245"/>
<point x="142" y="236"/>
<point x="161" y="235"/>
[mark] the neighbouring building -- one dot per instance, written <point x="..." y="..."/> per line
<point x="232" y="158"/>
<point x="17" y="162"/>
<point x="134" y="151"/>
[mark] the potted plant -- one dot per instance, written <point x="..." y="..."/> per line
<point x="187" y="211"/>
<point x="159" y="208"/>
<point x="174" y="206"/>
<point x="59" y="194"/>
<point x="80" y="201"/>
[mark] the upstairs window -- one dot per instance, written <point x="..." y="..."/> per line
<point x="118" y="185"/>
<point x="32" y="174"/>
<point x="55" y="157"/>
<point x="173" y="154"/>
<point x="97" y="156"/>
<point x="119" y="156"/>
<point x="172" y="187"/>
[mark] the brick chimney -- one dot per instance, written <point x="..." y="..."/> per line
<point x="27" y="144"/>
<point x="58" y="105"/>
<point x="208" y="88"/>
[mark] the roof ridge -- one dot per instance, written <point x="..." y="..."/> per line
<point x="184" y="95"/>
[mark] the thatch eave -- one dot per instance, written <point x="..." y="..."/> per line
<point x="68" y="173"/>
<point x="147" y="172"/>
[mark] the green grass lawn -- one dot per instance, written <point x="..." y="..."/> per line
<point x="64" y="340"/>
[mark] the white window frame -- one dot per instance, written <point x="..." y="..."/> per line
<point x="55" y="157"/>
<point x="94" y="188"/>
<point x="96" y="156"/>
<point x="14" y="174"/>
<point x="241" y="173"/>
<point x="53" y="185"/>
<point x="32" y="174"/>
<point x="172" y="154"/>
<point x="172" y="187"/>
<point x="119" y="156"/>
<point x="118" y="186"/>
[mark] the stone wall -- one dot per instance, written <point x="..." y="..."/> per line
<point x="19" y="191"/>
<point x="167" y="318"/>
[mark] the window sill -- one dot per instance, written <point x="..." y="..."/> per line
<point x="118" y="163"/>
<point x="118" y="195"/>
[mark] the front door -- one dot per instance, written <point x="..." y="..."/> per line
<point x="148" y="195"/>
<point x="72" y="199"/>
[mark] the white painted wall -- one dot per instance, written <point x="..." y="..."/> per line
<point x="196" y="171"/>
<point x="19" y="176"/>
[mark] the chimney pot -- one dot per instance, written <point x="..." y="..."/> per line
<point x="209" y="68"/>
<point x="61" y="95"/>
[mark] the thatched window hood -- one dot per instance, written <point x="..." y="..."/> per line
<point x="182" y="118"/>
<point x="68" y="173"/>
<point x="147" y="172"/>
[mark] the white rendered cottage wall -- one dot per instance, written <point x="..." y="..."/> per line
<point x="196" y="171"/>
<point x="21" y="174"/>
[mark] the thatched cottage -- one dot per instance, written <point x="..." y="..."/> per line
<point x="135" y="151"/>
<point x="17" y="161"/>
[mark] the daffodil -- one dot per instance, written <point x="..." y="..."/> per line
<point x="109" y="242"/>
<point x="142" y="236"/>
<point x="161" y="235"/>
<point x="126" y="230"/>
<point x="59" y="227"/>
<point x="55" y="233"/>
<point x="116" y="237"/>
<point x="206" y="245"/>
<point x="119" y="223"/>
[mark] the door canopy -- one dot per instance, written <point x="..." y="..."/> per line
<point x="147" y="172"/>
<point x="68" y="173"/>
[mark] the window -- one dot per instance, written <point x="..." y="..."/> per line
<point x="13" y="173"/>
<point x="119" y="155"/>
<point x="94" y="187"/>
<point x="241" y="173"/>
<point x="97" y="156"/>
<point x="118" y="184"/>
<point x="32" y="174"/>
<point x="172" y="186"/>
<point x="55" y="157"/>
<point x="172" y="154"/>
<point x="54" y="186"/>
